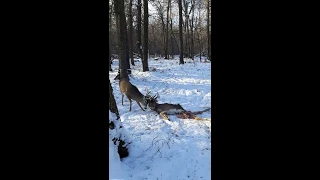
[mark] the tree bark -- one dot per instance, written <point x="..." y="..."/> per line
<point x="139" y="43"/>
<point x="208" y="29"/>
<point x="180" y="32"/>
<point x="172" y="50"/>
<point x="186" y="24"/>
<point x="110" y="68"/>
<point x="110" y="27"/>
<point x="159" y="5"/>
<point x="192" y="32"/>
<point x="145" y="66"/>
<point x="122" y="38"/>
<point x="164" y="36"/>
<point x="119" y="142"/>
<point x="131" y="33"/>
<point x="199" y="33"/>
<point x="112" y="103"/>
<point x="167" y="32"/>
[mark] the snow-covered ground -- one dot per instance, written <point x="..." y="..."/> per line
<point x="170" y="150"/>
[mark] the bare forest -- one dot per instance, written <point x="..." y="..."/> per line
<point x="159" y="89"/>
<point x="159" y="28"/>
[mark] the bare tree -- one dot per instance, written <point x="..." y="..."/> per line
<point x="118" y="141"/>
<point x="191" y="28"/>
<point x="166" y="53"/>
<point x="145" y="66"/>
<point x="164" y="29"/>
<point x="159" y="5"/>
<point x="139" y="42"/>
<point x="110" y="27"/>
<point x="171" y="35"/>
<point x="130" y="32"/>
<point x="112" y="102"/>
<point x="122" y="38"/>
<point x="186" y="27"/>
<point x="198" y="29"/>
<point x="180" y="32"/>
<point x="188" y="11"/>
<point x="208" y="29"/>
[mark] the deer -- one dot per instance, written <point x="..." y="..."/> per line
<point x="166" y="108"/>
<point x="132" y="93"/>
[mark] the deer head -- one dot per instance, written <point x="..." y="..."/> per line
<point x="151" y="101"/>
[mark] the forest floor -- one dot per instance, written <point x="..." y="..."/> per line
<point x="178" y="149"/>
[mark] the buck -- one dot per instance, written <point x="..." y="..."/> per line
<point x="166" y="108"/>
<point x="132" y="92"/>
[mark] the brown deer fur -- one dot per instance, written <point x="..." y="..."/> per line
<point x="132" y="92"/>
<point x="166" y="108"/>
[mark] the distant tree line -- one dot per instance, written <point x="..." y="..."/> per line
<point x="166" y="28"/>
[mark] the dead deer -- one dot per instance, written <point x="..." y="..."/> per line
<point x="166" y="108"/>
<point x="132" y="92"/>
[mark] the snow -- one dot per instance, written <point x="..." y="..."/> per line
<point x="159" y="149"/>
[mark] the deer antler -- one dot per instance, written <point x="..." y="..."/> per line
<point x="156" y="96"/>
<point x="148" y="91"/>
<point x="147" y="96"/>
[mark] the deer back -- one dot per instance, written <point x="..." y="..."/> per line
<point x="153" y="105"/>
<point x="131" y="91"/>
<point x="169" y="107"/>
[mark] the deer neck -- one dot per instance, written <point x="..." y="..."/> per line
<point x="156" y="107"/>
<point x="140" y="97"/>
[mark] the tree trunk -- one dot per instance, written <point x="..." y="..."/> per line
<point x="200" y="30"/>
<point x="186" y="23"/>
<point x="139" y="43"/>
<point x="110" y="68"/>
<point x="172" y="50"/>
<point x="145" y="66"/>
<point x="208" y="29"/>
<point x="192" y="32"/>
<point x="180" y="32"/>
<point x="167" y="32"/>
<point x="112" y="103"/>
<point x="122" y="38"/>
<point x="130" y="32"/>
<point x="164" y="35"/>
<point x="110" y="27"/>
<point x="200" y="48"/>
<point x="122" y="145"/>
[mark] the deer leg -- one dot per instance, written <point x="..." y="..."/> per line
<point x="140" y="106"/>
<point x="122" y="99"/>
<point x="130" y="103"/>
<point x="164" y="116"/>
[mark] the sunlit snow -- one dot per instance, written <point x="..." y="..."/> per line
<point x="170" y="150"/>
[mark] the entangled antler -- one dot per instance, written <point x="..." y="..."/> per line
<point x="148" y="96"/>
<point x="156" y="96"/>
